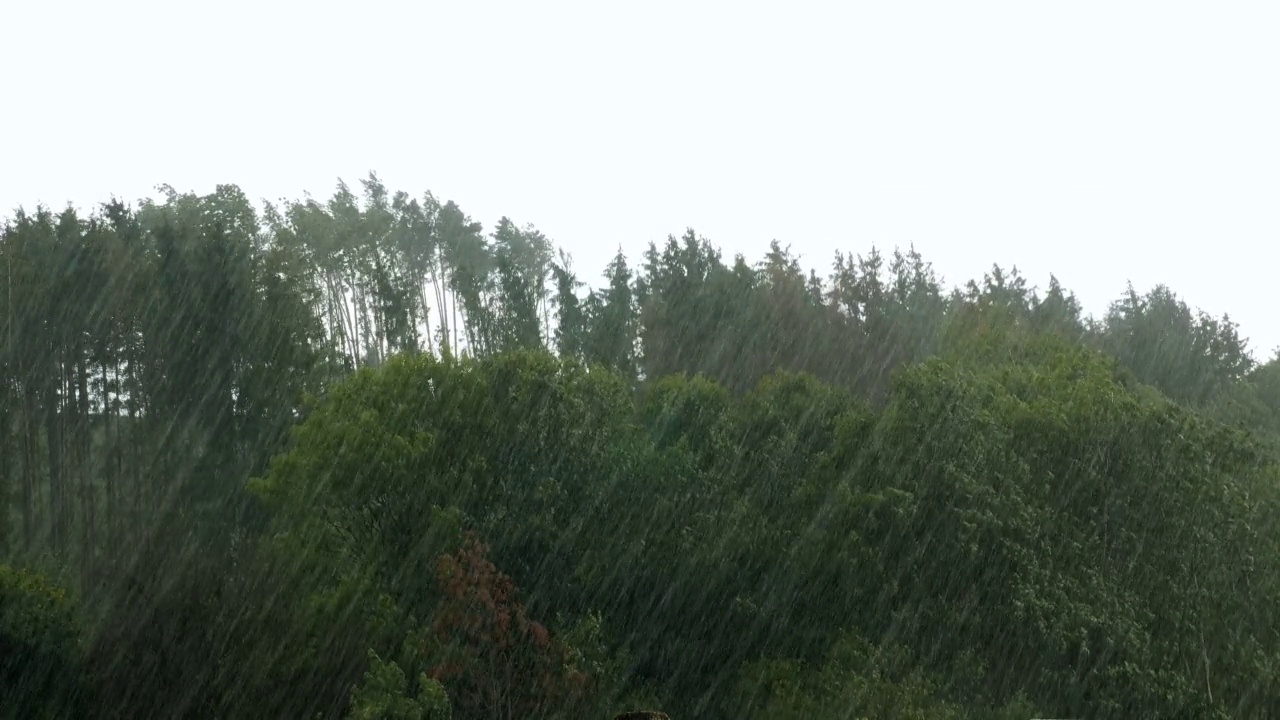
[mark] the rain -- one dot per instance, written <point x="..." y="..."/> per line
<point x="390" y="453"/>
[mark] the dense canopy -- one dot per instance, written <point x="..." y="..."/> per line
<point x="360" y="458"/>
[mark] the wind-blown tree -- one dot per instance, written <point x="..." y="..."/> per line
<point x="1058" y="313"/>
<point x="611" y="321"/>
<point x="394" y="297"/>
<point x="308" y="229"/>
<point x="9" y="406"/>
<point x="414" y="237"/>
<point x="678" y="324"/>
<point x="522" y="263"/>
<point x="782" y="335"/>
<point x="519" y="448"/>
<point x="856" y="314"/>
<point x="995" y="313"/>
<point x="1191" y="357"/>
<point x="1117" y="498"/>
<point x="356" y="269"/>
<point x="27" y="239"/>
<point x="570" y="336"/>
<point x="157" y="357"/>
<point x="1018" y="518"/>
<point x="470" y="264"/>
<point x="1253" y="404"/>
<point x="224" y="342"/>
<point x="352" y="251"/>
<point x="58" y="276"/>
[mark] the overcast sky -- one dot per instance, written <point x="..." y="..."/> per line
<point x="1104" y="142"/>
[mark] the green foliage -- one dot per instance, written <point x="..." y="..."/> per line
<point x="1031" y="515"/>
<point x="231" y="632"/>
<point x="40" y="657"/>
<point x="1083" y="526"/>
<point x="781" y="494"/>
<point x="611" y="322"/>
<point x="1191" y="357"/>
<point x="383" y="695"/>
<point x="856" y="680"/>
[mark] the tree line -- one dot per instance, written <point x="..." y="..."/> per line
<point x="290" y="458"/>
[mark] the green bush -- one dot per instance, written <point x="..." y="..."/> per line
<point x="40" y="670"/>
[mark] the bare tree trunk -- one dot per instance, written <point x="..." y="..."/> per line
<point x="366" y="319"/>
<point x="6" y="463"/>
<point x="426" y="313"/>
<point x="455" y="320"/>
<point x="134" y="453"/>
<point x="350" y="333"/>
<point x="57" y="489"/>
<point x="111" y="464"/>
<point x="87" y="500"/>
<point x="442" y="304"/>
<point x="546" y="317"/>
<point x="29" y="469"/>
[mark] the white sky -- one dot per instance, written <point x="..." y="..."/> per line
<point x="1100" y="141"/>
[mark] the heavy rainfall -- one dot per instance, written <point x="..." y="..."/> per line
<point x="378" y="454"/>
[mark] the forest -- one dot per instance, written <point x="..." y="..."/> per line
<point x="362" y="457"/>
